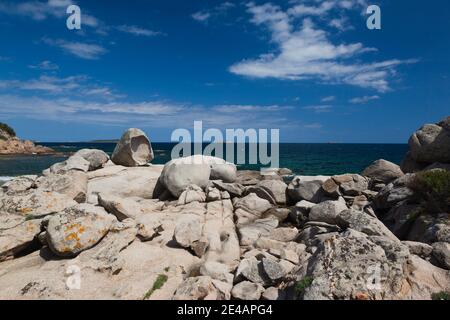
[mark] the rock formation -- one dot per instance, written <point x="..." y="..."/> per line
<point x="198" y="229"/>
<point x="10" y="144"/>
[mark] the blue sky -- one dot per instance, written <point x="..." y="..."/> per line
<point x="309" y="68"/>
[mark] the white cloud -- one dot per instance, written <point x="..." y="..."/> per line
<point x="201" y="16"/>
<point x="57" y="86"/>
<point x="328" y="99"/>
<point x="43" y="10"/>
<point x="79" y="49"/>
<point x="138" y="31"/>
<point x="46" y="84"/>
<point x="307" y="52"/>
<point x="205" y="15"/>
<point x="45" y="65"/>
<point x="79" y="98"/>
<point x="161" y="114"/>
<point x="319" y="108"/>
<point x="362" y="100"/>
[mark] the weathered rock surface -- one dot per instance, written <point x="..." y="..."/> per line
<point x="251" y="232"/>
<point x="441" y="252"/>
<point x="133" y="182"/>
<point x="383" y="171"/>
<point x="16" y="234"/>
<point x="35" y="203"/>
<point x="327" y="211"/>
<point x="277" y="188"/>
<point x="19" y="184"/>
<point x="247" y="290"/>
<point x="122" y="208"/>
<point x="306" y="188"/>
<point x="74" y="162"/>
<point x="250" y="208"/>
<point x="180" y="173"/>
<point x="354" y="253"/>
<point x="188" y="230"/>
<point x="77" y="228"/>
<point x="133" y="149"/>
<point x="202" y="288"/>
<point x="191" y="194"/>
<point x="234" y="235"/>
<point x="233" y="189"/>
<point x="431" y="143"/>
<point x="97" y="158"/>
<point x="73" y="184"/>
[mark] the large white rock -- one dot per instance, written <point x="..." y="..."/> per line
<point x="96" y="158"/>
<point x="180" y="173"/>
<point x="131" y="182"/>
<point x="133" y="149"/>
<point x="74" y="162"/>
<point x="383" y="171"/>
<point x="431" y="143"/>
<point x="77" y="229"/>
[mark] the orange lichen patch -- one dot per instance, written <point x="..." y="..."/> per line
<point x="81" y="229"/>
<point x="66" y="250"/>
<point x="26" y="210"/>
<point x="73" y="226"/>
<point x="72" y="237"/>
<point x="361" y="296"/>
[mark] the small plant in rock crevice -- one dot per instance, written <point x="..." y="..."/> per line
<point x="159" y="282"/>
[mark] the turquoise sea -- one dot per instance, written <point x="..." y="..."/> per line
<point x="302" y="158"/>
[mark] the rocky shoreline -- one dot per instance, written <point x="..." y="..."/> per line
<point x="11" y="145"/>
<point x="197" y="228"/>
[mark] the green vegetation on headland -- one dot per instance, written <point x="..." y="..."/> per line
<point x="6" y="129"/>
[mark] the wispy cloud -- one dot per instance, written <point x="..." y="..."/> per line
<point x="328" y="99"/>
<point x="319" y="108"/>
<point x="307" y="52"/>
<point x="79" y="49"/>
<point x="362" y="100"/>
<point x="205" y="15"/>
<point x="159" y="113"/>
<point x="138" y="31"/>
<point x="45" y="65"/>
<point x="42" y="10"/>
<point x="55" y="86"/>
<point x="43" y="84"/>
<point x="79" y="98"/>
<point x="201" y="16"/>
